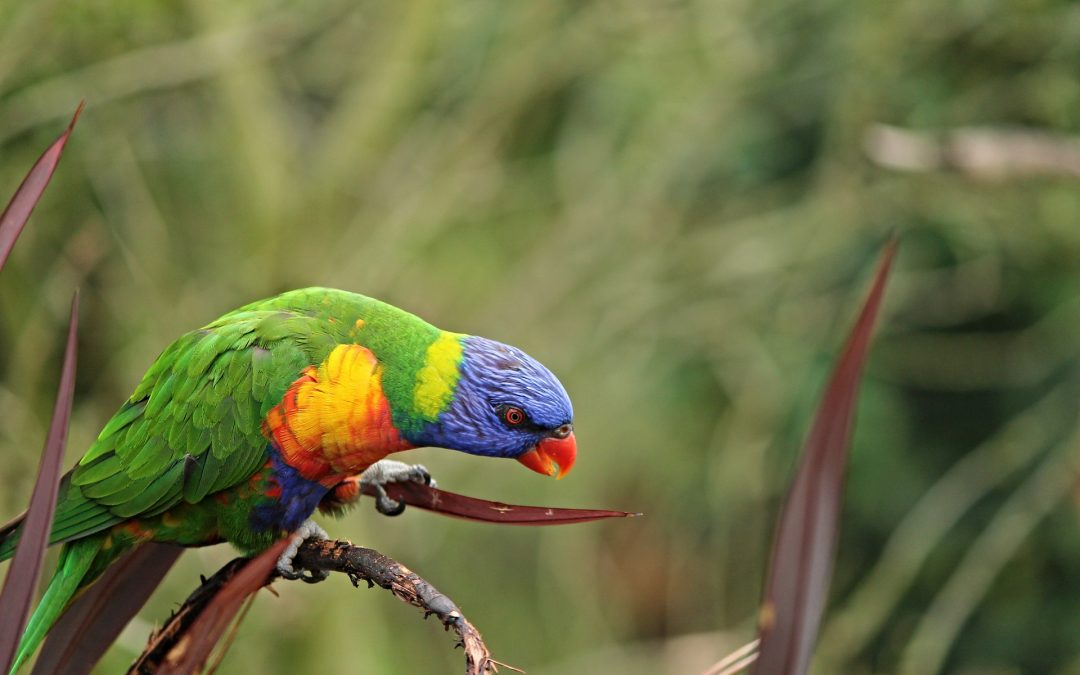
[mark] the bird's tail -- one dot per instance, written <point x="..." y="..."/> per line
<point x="73" y="573"/>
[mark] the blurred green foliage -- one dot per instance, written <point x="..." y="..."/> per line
<point x="670" y="204"/>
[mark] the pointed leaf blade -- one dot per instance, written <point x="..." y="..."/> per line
<point x="470" y="508"/>
<point x="29" y="192"/>
<point x="192" y="651"/>
<point x="804" y="549"/>
<point x="21" y="582"/>
<point x="89" y="627"/>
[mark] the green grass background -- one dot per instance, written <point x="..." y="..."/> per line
<point x="668" y="203"/>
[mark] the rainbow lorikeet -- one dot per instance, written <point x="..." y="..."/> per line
<point x="240" y="430"/>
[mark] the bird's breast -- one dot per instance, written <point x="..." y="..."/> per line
<point x="334" y="419"/>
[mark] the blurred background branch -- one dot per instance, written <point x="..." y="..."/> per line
<point x="997" y="154"/>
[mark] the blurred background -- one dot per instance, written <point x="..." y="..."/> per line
<point x="674" y="205"/>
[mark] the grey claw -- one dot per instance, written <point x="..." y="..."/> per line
<point x="285" y="568"/>
<point x="388" y="471"/>
<point x="387" y="506"/>
<point x="311" y="577"/>
<point x="315" y="576"/>
<point x="420" y="474"/>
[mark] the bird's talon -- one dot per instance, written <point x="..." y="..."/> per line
<point x="314" y="576"/>
<point x="421" y="475"/>
<point x="388" y="471"/>
<point x="307" y="530"/>
<point x="289" y="574"/>
<point x="387" y="506"/>
<point x="310" y="577"/>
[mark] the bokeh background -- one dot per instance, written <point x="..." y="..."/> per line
<point x="676" y="206"/>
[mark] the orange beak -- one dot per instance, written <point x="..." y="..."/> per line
<point x="552" y="456"/>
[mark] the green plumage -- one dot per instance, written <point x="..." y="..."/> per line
<point x="192" y="428"/>
<point x="203" y="400"/>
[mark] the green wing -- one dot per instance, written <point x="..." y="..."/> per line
<point x="193" y="426"/>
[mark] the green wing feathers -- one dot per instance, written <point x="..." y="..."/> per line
<point x="193" y="425"/>
<point x="74" y="514"/>
<point x="154" y="451"/>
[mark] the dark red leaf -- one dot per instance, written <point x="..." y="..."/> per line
<point x="86" y="630"/>
<point x="25" y="568"/>
<point x="470" y="508"/>
<point x="26" y="197"/>
<point x="805" y="545"/>
<point x="192" y="651"/>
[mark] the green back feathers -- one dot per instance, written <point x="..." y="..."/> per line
<point x="420" y="360"/>
<point x="193" y="425"/>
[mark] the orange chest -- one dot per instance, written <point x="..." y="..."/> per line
<point x="334" y="419"/>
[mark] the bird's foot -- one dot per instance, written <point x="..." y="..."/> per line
<point x="387" y="471"/>
<point x="308" y="530"/>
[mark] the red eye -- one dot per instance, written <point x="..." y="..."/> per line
<point x="514" y="416"/>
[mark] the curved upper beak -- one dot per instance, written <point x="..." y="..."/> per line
<point x="552" y="456"/>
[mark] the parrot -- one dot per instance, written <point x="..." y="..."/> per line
<point x="239" y="431"/>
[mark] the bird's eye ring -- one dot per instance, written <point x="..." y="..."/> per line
<point x="514" y="416"/>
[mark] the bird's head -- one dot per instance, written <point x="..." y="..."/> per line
<point x="504" y="403"/>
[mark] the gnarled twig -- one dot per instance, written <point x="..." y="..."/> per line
<point x="360" y="564"/>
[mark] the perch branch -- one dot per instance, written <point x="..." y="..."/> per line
<point x="360" y="564"/>
<point x="365" y="564"/>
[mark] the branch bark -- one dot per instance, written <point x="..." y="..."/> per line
<point x="360" y="564"/>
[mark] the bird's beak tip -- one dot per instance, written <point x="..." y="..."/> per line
<point x="552" y="456"/>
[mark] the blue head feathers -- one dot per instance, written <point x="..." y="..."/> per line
<point x="504" y="405"/>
